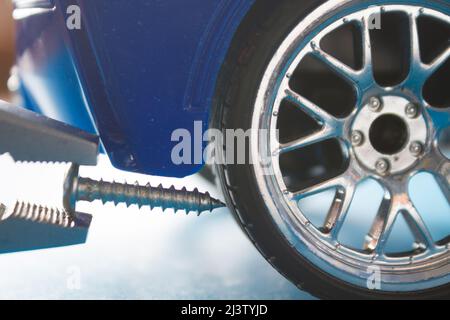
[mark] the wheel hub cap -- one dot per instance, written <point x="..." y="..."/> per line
<point x="391" y="134"/>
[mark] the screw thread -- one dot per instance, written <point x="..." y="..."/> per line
<point x="171" y="198"/>
<point x="42" y="214"/>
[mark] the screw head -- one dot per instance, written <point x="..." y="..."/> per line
<point x="416" y="148"/>
<point x="412" y="110"/>
<point x="382" y="166"/>
<point x="357" y="138"/>
<point x="375" y="104"/>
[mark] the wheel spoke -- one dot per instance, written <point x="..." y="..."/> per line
<point x="438" y="62"/>
<point x="367" y="46"/>
<point x="418" y="73"/>
<point x="382" y="225"/>
<point x="417" y="225"/>
<point x="338" y="66"/>
<point x="436" y="164"/>
<point x="339" y="209"/>
<point x="324" y="134"/>
<point x="309" y="107"/>
<point x="440" y="117"/>
<point x="338" y="181"/>
<point x="414" y="41"/>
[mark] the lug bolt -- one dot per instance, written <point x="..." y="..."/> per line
<point x="416" y="148"/>
<point x="375" y="104"/>
<point x="382" y="166"/>
<point x="412" y="111"/>
<point x="357" y="138"/>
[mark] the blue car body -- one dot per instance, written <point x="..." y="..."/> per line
<point x="134" y="72"/>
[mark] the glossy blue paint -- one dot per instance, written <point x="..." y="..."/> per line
<point x="135" y="72"/>
<point x="49" y="81"/>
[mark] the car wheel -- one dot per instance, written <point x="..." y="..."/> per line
<point x="345" y="190"/>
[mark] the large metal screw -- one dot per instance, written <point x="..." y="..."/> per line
<point x="357" y="138"/>
<point x="375" y="104"/>
<point x="84" y="189"/>
<point x="416" y="148"/>
<point x="382" y="166"/>
<point x="412" y="110"/>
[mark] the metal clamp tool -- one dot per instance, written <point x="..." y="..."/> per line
<point x="30" y="137"/>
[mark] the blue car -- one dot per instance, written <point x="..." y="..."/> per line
<point x="322" y="114"/>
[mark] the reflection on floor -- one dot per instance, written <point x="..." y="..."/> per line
<point x="132" y="254"/>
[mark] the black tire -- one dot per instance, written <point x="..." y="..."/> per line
<point x="263" y="30"/>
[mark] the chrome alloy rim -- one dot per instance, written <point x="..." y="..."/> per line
<point x="428" y="265"/>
